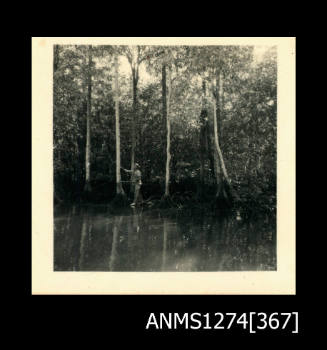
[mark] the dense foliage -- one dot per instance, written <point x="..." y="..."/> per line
<point x="247" y="122"/>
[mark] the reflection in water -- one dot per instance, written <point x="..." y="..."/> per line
<point x="113" y="255"/>
<point x="82" y="244"/>
<point x="164" y="249"/>
<point x="86" y="238"/>
<point x="94" y="239"/>
<point x="137" y="213"/>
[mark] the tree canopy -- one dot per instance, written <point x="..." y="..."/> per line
<point x="246" y="117"/>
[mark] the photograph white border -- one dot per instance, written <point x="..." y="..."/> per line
<point x="47" y="281"/>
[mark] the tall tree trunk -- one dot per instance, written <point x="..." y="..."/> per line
<point x="164" y="97"/>
<point x="216" y="163"/>
<point x="221" y="105"/>
<point x="88" y="117"/>
<point x="220" y="155"/>
<point x="228" y="191"/>
<point x="219" y="102"/>
<point x="135" y="81"/>
<point x="168" y="156"/>
<point x="203" y="142"/>
<point x="119" y="188"/>
<point x="217" y="160"/>
<point x="221" y="159"/>
<point x="164" y="93"/>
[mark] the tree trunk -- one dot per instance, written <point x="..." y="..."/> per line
<point x="135" y="81"/>
<point x="214" y="144"/>
<point x="227" y="191"/>
<point x="203" y="138"/>
<point x="164" y="93"/>
<point x="221" y="105"/>
<point x="119" y="188"/>
<point x="217" y="159"/>
<point x="219" y="102"/>
<point x="88" y="117"/>
<point x="221" y="159"/>
<point x="168" y="136"/>
<point x="164" y="100"/>
<point x="216" y="163"/>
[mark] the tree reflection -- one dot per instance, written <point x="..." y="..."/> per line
<point x="115" y="241"/>
<point x="153" y="240"/>
<point x="83" y="241"/>
<point x="137" y="215"/>
<point x="164" y="248"/>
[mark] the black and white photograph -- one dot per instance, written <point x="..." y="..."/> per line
<point x="165" y="159"/>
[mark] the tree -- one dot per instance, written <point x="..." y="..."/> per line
<point x="203" y="118"/>
<point x="166" y="118"/>
<point x="69" y="120"/>
<point x="203" y="139"/>
<point x="135" y="56"/>
<point x="119" y="187"/>
<point x="221" y="163"/>
<point x="88" y="120"/>
<point x="169" y="60"/>
<point x="211" y="63"/>
<point x="168" y="155"/>
<point x="163" y="59"/>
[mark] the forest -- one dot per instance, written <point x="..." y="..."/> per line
<point x="201" y="122"/>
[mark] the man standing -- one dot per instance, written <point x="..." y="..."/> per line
<point x="137" y="182"/>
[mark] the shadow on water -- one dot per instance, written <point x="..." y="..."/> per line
<point x="93" y="238"/>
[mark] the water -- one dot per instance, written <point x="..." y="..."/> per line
<point x="94" y="239"/>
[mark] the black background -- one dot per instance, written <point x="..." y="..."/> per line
<point x="90" y="319"/>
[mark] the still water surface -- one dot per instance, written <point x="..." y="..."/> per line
<point x="94" y="239"/>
